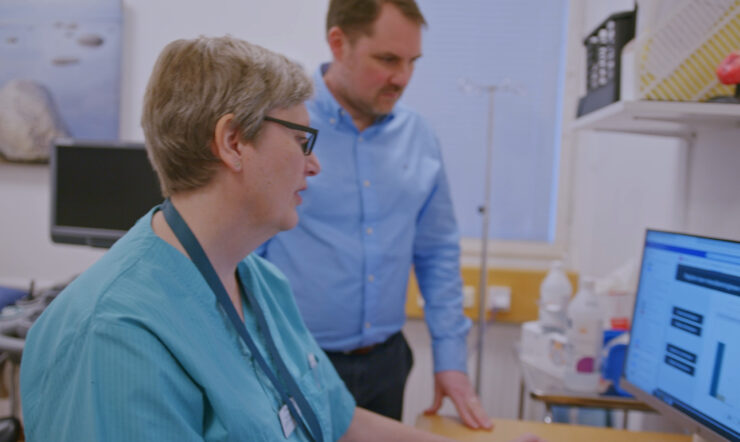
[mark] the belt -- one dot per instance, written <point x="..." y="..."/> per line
<point x="365" y="350"/>
<point x="360" y="351"/>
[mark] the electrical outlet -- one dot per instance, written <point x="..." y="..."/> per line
<point x="499" y="298"/>
<point x="469" y="296"/>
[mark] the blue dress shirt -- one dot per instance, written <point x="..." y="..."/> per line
<point x="138" y="349"/>
<point x="380" y="204"/>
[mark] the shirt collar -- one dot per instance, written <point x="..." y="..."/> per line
<point x="330" y="106"/>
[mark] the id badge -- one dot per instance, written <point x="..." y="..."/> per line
<point x="286" y="421"/>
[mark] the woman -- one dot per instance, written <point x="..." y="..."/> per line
<point x="153" y="341"/>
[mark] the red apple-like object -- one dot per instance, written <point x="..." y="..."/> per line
<point x="728" y="72"/>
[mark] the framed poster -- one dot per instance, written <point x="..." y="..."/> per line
<point x="60" y="69"/>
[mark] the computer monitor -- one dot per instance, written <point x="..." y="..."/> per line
<point x="683" y="358"/>
<point x="99" y="190"/>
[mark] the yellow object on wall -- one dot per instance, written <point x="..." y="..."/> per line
<point x="677" y="61"/>
<point x="523" y="283"/>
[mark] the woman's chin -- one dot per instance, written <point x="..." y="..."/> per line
<point x="289" y="222"/>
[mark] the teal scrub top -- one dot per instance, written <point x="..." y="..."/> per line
<point x="137" y="348"/>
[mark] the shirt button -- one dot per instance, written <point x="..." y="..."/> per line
<point x="366" y="183"/>
<point x="369" y="230"/>
<point x="367" y="325"/>
<point x="371" y="278"/>
<point x="332" y="120"/>
<point x="359" y="139"/>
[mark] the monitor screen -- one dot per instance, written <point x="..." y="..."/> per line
<point x="684" y="353"/>
<point x="99" y="190"/>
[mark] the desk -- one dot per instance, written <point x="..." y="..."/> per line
<point x="506" y="430"/>
<point x="549" y="389"/>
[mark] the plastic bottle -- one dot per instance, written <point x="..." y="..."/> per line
<point x="555" y="292"/>
<point x="585" y="338"/>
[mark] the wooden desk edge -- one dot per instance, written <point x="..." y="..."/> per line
<point x="506" y="430"/>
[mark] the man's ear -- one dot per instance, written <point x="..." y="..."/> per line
<point x="338" y="42"/>
<point x="225" y="144"/>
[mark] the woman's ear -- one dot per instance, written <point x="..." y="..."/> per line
<point x="226" y="146"/>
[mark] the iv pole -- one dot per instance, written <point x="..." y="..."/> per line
<point x="469" y="87"/>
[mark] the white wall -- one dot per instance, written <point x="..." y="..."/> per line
<point x="713" y="199"/>
<point x="623" y="183"/>
<point x="294" y="28"/>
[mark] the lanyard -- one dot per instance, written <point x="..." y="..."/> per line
<point x="289" y="393"/>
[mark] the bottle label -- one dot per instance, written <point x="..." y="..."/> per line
<point x="584" y="346"/>
<point x="586" y="365"/>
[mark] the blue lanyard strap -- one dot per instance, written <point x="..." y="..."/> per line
<point x="198" y="256"/>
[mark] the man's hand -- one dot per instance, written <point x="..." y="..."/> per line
<point x="456" y="385"/>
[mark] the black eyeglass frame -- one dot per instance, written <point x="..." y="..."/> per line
<point x="307" y="147"/>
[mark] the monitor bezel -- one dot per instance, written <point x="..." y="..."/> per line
<point x="89" y="236"/>
<point x="689" y="423"/>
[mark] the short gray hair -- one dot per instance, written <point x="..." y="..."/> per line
<point x="196" y="82"/>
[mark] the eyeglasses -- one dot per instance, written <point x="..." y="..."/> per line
<point x="311" y="133"/>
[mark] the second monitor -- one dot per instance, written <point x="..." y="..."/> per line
<point x="99" y="190"/>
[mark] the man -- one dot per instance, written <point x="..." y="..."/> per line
<point x="381" y="205"/>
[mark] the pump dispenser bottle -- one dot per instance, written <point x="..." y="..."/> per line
<point x="555" y="293"/>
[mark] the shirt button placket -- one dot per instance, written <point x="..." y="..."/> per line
<point x="368" y="209"/>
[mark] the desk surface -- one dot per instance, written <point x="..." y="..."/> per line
<point x="506" y="430"/>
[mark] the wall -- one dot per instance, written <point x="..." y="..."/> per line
<point x="713" y="200"/>
<point x="622" y="184"/>
<point x="294" y="28"/>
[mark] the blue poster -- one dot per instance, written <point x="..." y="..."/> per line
<point x="60" y="69"/>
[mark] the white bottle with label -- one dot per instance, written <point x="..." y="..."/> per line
<point x="555" y="292"/>
<point x="585" y="339"/>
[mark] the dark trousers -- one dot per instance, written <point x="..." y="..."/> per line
<point x="377" y="379"/>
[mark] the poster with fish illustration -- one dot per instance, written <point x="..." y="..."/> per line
<point x="60" y="72"/>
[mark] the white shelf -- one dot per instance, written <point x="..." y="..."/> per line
<point x="677" y="119"/>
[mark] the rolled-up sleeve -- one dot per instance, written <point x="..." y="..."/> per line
<point x="437" y="268"/>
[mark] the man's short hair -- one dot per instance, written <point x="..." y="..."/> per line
<point x="356" y="17"/>
<point x="196" y="82"/>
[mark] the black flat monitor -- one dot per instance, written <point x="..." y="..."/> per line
<point x="683" y="358"/>
<point x="99" y="190"/>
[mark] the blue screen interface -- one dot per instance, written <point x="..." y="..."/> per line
<point x="685" y="342"/>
